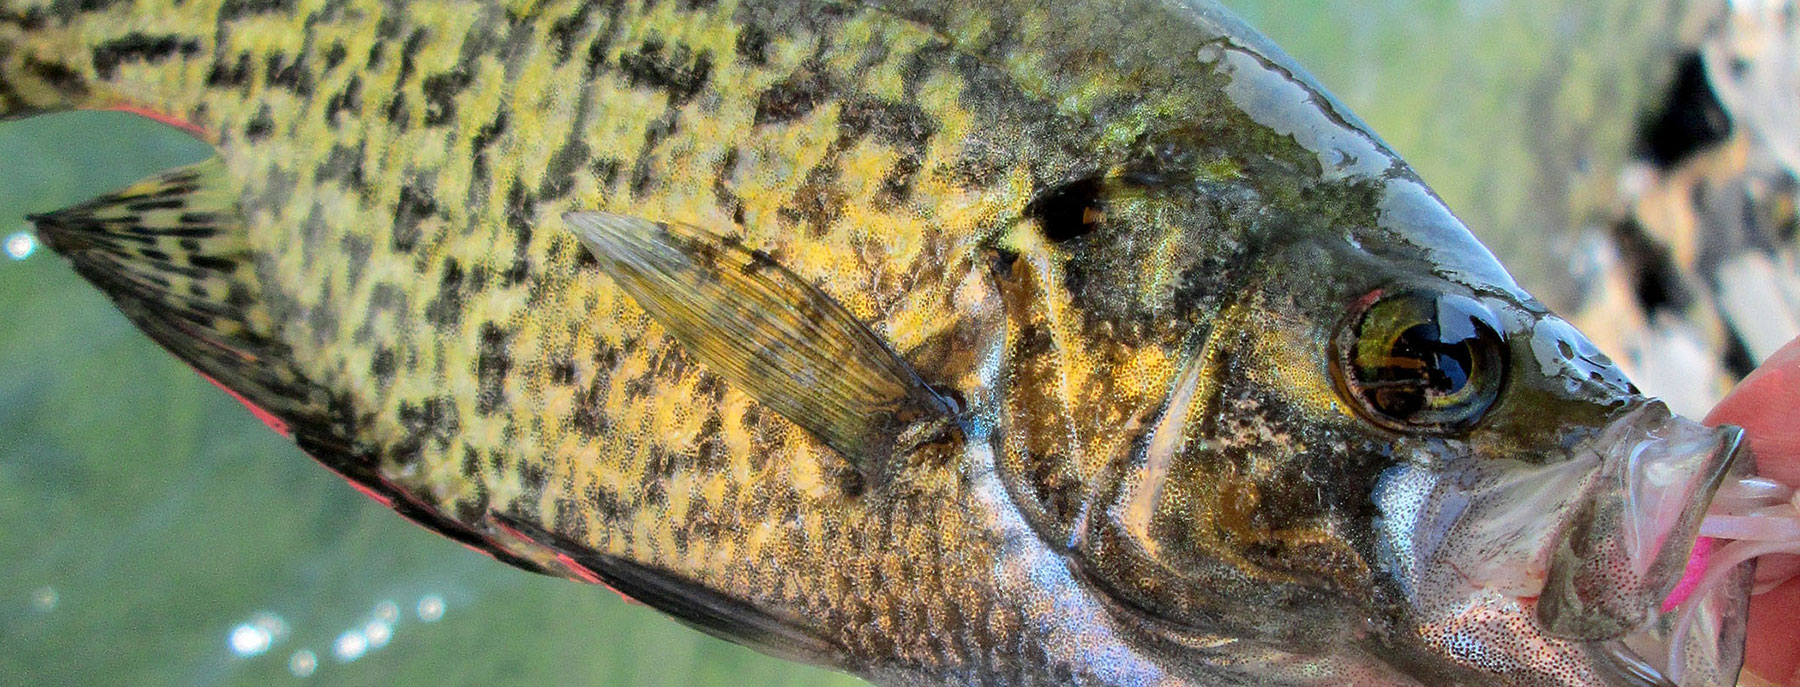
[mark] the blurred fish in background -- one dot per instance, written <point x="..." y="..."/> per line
<point x="1632" y="162"/>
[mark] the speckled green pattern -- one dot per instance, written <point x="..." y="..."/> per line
<point x="1079" y="220"/>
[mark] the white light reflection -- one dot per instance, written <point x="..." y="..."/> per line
<point x="431" y="608"/>
<point x="303" y="663"/>
<point x="255" y="636"/>
<point x="249" y="640"/>
<point x="378" y="632"/>
<point x="387" y="612"/>
<point x="350" y="645"/>
<point x="20" y="245"/>
<point x="44" y="599"/>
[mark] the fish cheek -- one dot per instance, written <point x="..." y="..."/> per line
<point x="1239" y="509"/>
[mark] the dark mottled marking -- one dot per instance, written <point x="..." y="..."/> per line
<point x="322" y="321"/>
<point x="562" y="371"/>
<point x="138" y="47"/>
<point x="896" y="185"/>
<point x="753" y="45"/>
<point x="261" y="125"/>
<point x="474" y="508"/>
<point x="342" y="163"/>
<point x="643" y="171"/>
<point x="289" y="74"/>
<point x="396" y="110"/>
<point x="349" y="99"/>
<point x="603" y="503"/>
<point x="383" y="366"/>
<point x="409" y="54"/>
<point x="234" y="75"/>
<point x="559" y="174"/>
<point x="440" y="92"/>
<point x="480" y="174"/>
<point x="793" y="97"/>
<point x="902" y="125"/>
<point x="521" y="213"/>
<point x="334" y="55"/>
<point x="414" y="206"/>
<point x="562" y="32"/>
<point x="233" y="10"/>
<point x="680" y="73"/>
<point x="606" y="169"/>
<point x="434" y="420"/>
<point x="819" y="201"/>
<point x="446" y="309"/>
<point x="32" y="19"/>
<point x="471" y="463"/>
<point x="590" y="417"/>
<point x="569" y="521"/>
<point x="517" y="272"/>
<point x="534" y="477"/>
<point x="492" y="363"/>
<point x="59" y="76"/>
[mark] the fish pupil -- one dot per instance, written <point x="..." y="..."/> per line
<point x="1429" y="361"/>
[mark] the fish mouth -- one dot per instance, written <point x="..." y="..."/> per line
<point x="1633" y="542"/>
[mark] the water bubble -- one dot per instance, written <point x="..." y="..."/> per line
<point x="378" y="632"/>
<point x="44" y="599"/>
<point x="431" y="608"/>
<point x="350" y="645"/>
<point x="303" y="663"/>
<point x="20" y="245"/>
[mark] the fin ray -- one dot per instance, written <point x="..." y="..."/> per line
<point x="764" y="328"/>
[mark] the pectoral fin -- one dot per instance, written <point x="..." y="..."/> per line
<point x="770" y="332"/>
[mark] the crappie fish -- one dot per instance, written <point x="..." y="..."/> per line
<point x="1052" y="343"/>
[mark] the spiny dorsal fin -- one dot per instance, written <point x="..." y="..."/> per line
<point x="767" y="330"/>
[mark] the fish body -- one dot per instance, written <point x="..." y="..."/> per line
<point x="1054" y="343"/>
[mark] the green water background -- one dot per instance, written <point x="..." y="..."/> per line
<point x="143" y="514"/>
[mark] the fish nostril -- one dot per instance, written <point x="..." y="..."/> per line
<point x="1069" y="211"/>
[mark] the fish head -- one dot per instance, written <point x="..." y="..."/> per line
<point x="1378" y="457"/>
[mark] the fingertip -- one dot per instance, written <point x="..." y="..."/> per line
<point x="1769" y="652"/>
<point x="1767" y="405"/>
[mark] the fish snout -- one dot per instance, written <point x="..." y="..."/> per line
<point x="1627" y="545"/>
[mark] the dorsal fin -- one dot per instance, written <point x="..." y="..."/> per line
<point x="772" y="333"/>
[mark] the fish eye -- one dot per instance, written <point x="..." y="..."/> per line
<point x="1421" y="360"/>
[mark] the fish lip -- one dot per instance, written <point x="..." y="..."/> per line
<point x="1627" y="542"/>
<point x="1714" y="646"/>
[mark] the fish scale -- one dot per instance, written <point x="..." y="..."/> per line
<point x="427" y="297"/>
<point x="680" y="465"/>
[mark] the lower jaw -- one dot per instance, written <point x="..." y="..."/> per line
<point x="1704" y="651"/>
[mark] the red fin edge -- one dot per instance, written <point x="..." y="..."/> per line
<point x="162" y="117"/>
<point x="275" y="423"/>
<point x="581" y="572"/>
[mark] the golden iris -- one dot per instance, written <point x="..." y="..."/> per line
<point x="1422" y="360"/>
